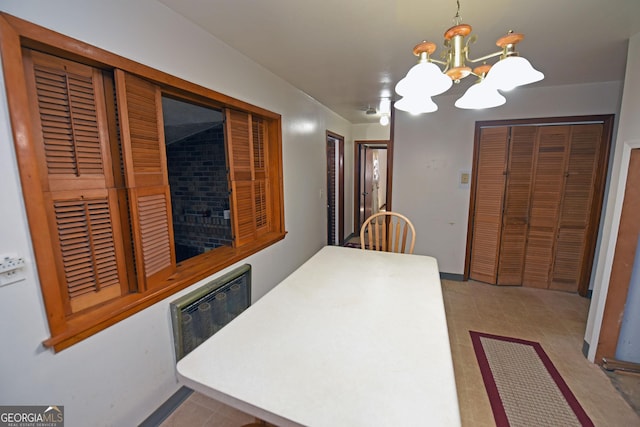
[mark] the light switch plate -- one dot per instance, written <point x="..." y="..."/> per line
<point x="464" y="179"/>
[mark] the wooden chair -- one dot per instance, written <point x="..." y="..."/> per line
<point x="389" y="232"/>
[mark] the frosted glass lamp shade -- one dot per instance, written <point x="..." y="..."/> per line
<point x="416" y="104"/>
<point x="480" y="95"/>
<point x="424" y="78"/>
<point x="511" y="72"/>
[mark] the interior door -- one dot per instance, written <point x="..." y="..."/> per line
<point x="367" y="183"/>
<point x="335" y="188"/>
<point x="623" y="261"/>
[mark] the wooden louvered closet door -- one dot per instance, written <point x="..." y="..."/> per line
<point x="490" y="182"/>
<point x="569" y="267"/>
<point x="69" y="115"/>
<point x="536" y="226"/>
<point x="546" y="197"/>
<point x="515" y="220"/>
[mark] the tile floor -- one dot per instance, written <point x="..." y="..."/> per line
<point x="554" y="319"/>
<point x="200" y="411"/>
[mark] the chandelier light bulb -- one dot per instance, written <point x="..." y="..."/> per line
<point x="384" y="120"/>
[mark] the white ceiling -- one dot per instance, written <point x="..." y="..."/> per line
<point x="349" y="53"/>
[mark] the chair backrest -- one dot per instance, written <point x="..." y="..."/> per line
<point x="389" y="232"/>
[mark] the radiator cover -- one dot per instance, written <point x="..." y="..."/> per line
<point x="203" y="312"/>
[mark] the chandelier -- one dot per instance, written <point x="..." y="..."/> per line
<point x="426" y="79"/>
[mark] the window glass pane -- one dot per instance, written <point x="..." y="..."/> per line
<point x="196" y="160"/>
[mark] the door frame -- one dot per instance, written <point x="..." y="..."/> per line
<point x="339" y="221"/>
<point x="607" y="334"/>
<point x="357" y="172"/>
<point x="599" y="183"/>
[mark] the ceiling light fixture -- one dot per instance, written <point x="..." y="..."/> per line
<point x="385" y="105"/>
<point x="426" y="79"/>
<point x="385" y="111"/>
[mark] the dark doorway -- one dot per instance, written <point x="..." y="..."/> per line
<point x="373" y="177"/>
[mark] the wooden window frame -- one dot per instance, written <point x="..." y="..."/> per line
<point x="66" y="330"/>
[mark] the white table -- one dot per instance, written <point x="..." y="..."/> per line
<point x="351" y="338"/>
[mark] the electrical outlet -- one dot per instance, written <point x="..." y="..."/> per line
<point x="11" y="270"/>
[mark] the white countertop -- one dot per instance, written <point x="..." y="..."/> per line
<point x="351" y="338"/>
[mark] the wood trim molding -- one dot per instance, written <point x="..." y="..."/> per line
<point x="608" y="331"/>
<point x="20" y="116"/>
<point x="188" y="273"/>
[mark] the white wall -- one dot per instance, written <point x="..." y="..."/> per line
<point x="370" y="132"/>
<point x="628" y="137"/>
<point x="430" y="150"/>
<point x="122" y="374"/>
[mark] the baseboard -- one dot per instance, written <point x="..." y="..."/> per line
<point x="346" y="239"/>
<point x="167" y="408"/>
<point x="452" y="276"/>
<point x="585" y="349"/>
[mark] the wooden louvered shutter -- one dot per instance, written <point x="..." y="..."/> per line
<point x="261" y="174"/>
<point x="487" y="218"/>
<point x="145" y="163"/>
<point x="246" y="147"/>
<point x="546" y="196"/>
<point x="71" y="139"/>
<point x="515" y="220"/>
<point x="575" y="212"/>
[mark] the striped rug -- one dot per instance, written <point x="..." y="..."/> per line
<point x="524" y="387"/>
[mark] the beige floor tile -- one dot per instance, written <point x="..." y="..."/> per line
<point x="188" y="414"/>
